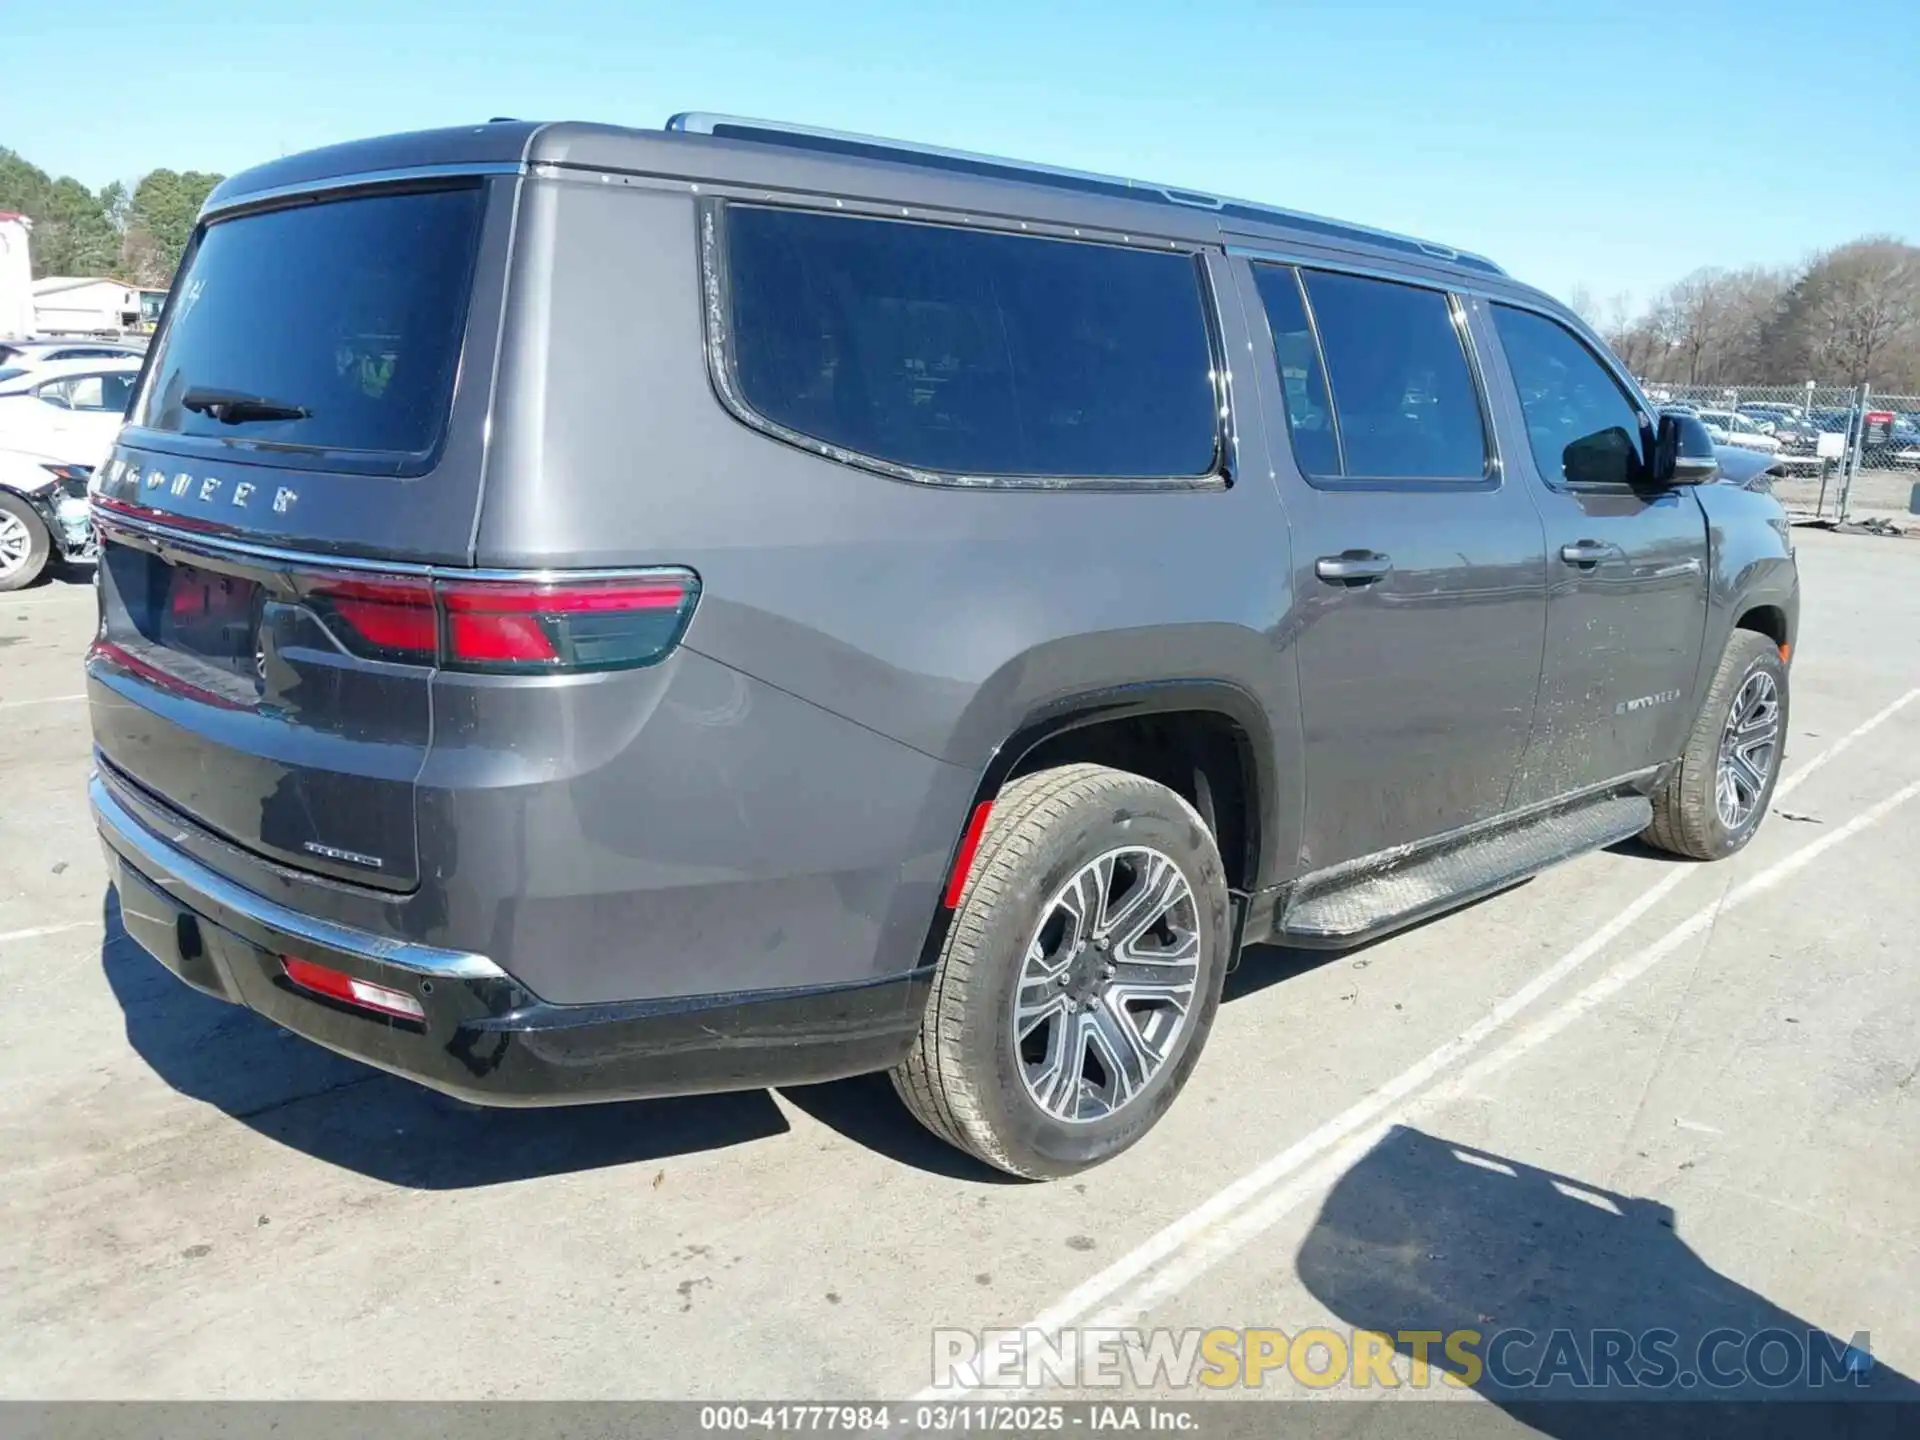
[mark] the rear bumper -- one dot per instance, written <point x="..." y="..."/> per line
<point x="485" y="1036"/>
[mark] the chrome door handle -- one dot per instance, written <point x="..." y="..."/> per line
<point x="1352" y="567"/>
<point x="1590" y="552"/>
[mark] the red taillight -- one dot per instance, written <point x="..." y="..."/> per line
<point x="486" y="636"/>
<point x="515" y="626"/>
<point x="364" y="994"/>
<point x="393" y="618"/>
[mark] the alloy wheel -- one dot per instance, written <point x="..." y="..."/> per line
<point x="15" y="543"/>
<point x="1107" y="984"/>
<point x="1749" y="750"/>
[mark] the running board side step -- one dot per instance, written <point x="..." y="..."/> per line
<point x="1373" y="897"/>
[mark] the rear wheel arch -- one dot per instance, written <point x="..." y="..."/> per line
<point x="1222" y="763"/>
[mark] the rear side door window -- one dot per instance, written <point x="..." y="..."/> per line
<point x="932" y="351"/>
<point x="1403" y="394"/>
<point x="1303" y="378"/>
<point x="1582" y="426"/>
<point x="1375" y="378"/>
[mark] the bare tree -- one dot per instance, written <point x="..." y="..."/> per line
<point x="1753" y="298"/>
<point x="1857" y="312"/>
<point x="1847" y="315"/>
<point x="1695" y="312"/>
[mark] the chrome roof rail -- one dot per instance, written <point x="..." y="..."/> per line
<point x="779" y="132"/>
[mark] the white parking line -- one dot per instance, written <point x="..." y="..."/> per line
<point x="39" y="930"/>
<point x="41" y="601"/>
<point x="1790" y="783"/>
<point x="42" y="700"/>
<point x="1223" y="1223"/>
<point x="1220" y="1242"/>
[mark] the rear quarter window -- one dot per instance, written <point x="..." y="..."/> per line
<point x="350" y="310"/>
<point x="971" y="353"/>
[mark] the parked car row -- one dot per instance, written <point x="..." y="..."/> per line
<point x="61" y="404"/>
<point x="1730" y="427"/>
<point x="1888" y="438"/>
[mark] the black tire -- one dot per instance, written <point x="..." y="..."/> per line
<point x="1686" y="818"/>
<point x="39" y="544"/>
<point x="962" y="1079"/>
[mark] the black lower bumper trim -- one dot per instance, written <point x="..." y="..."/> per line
<point x="488" y="1040"/>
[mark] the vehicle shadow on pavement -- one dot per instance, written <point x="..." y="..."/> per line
<point x="1262" y="966"/>
<point x="1424" y="1235"/>
<point x="1634" y="848"/>
<point x="866" y="1111"/>
<point x="352" y="1115"/>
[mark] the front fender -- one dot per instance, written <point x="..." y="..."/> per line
<point x="1751" y="569"/>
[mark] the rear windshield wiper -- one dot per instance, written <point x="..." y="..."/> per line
<point x="235" y="407"/>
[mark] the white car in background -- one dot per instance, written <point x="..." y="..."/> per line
<point x="19" y="356"/>
<point x="1730" y="428"/>
<point x="58" y="421"/>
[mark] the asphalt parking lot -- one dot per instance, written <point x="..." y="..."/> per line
<point x="1632" y="1093"/>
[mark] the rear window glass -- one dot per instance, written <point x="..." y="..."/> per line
<point x="350" y="311"/>
<point x="971" y="352"/>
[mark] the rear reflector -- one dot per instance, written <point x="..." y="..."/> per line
<point x="338" y="985"/>
<point x="507" y="626"/>
<point x="969" y="845"/>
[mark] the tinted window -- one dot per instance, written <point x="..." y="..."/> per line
<point x="1303" y="380"/>
<point x="1401" y="387"/>
<point x="1580" y="424"/>
<point x="972" y="352"/>
<point x="351" y="310"/>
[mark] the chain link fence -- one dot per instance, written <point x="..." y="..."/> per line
<point x="1839" y="453"/>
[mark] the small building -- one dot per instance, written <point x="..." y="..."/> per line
<point x="16" y="276"/>
<point x="85" y="305"/>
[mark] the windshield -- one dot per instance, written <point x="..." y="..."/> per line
<point x="343" y="319"/>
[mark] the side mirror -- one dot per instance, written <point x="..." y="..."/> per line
<point x="1683" y="452"/>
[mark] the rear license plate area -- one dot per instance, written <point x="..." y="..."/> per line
<point x="211" y="616"/>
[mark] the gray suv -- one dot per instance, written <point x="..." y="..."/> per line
<point x="589" y="613"/>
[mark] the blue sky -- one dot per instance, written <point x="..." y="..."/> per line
<point x="1615" y="145"/>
